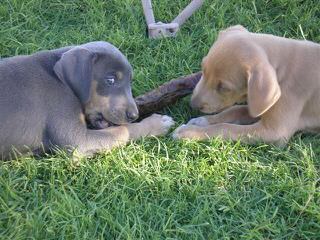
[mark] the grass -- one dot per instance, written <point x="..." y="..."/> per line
<point x="160" y="188"/>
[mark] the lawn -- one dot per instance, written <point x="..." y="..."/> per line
<point x="158" y="188"/>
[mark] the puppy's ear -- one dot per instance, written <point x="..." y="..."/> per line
<point x="204" y="60"/>
<point x="236" y="28"/>
<point x="263" y="88"/>
<point x="232" y="29"/>
<point x="75" y="69"/>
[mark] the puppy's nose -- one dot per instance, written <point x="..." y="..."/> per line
<point x="195" y="105"/>
<point x="132" y="115"/>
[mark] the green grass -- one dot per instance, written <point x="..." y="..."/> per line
<point x="160" y="188"/>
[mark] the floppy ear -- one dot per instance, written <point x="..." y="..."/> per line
<point x="75" y="69"/>
<point x="203" y="62"/>
<point x="235" y="28"/>
<point x="263" y="88"/>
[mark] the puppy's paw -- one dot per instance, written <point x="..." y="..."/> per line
<point x="158" y="124"/>
<point x="199" y="121"/>
<point x="190" y="132"/>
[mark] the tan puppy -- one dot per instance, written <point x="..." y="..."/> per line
<point x="279" y="79"/>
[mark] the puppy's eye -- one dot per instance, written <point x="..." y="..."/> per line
<point x="222" y="88"/>
<point x="110" y="80"/>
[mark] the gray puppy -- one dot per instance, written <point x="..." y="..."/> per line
<point x="46" y="97"/>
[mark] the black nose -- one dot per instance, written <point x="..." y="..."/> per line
<point x="132" y="115"/>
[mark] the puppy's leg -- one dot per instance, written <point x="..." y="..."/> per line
<point x="275" y="126"/>
<point x="247" y="133"/>
<point x="98" y="140"/>
<point x="238" y="114"/>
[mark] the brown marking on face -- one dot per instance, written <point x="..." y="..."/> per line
<point x="97" y="102"/>
<point x="82" y="118"/>
<point x="119" y="75"/>
<point x="94" y="108"/>
<point x="112" y="109"/>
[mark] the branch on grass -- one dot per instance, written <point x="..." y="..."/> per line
<point x="166" y="94"/>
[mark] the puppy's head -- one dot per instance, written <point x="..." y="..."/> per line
<point x="236" y="70"/>
<point x="100" y="76"/>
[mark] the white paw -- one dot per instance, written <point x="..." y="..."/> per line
<point x="176" y="132"/>
<point x="167" y="121"/>
<point x="199" y="121"/>
<point x="190" y="132"/>
<point x="158" y="124"/>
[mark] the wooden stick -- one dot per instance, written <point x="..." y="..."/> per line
<point x="166" y="94"/>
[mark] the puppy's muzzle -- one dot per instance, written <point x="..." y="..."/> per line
<point x="197" y="105"/>
<point x="132" y="115"/>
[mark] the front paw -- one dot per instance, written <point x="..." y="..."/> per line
<point x="158" y="124"/>
<point x="190" y="132"/>
<point x="199" y="121"/>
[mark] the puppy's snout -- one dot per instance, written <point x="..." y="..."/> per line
<point x="196" y="105"/>
<point x="132" y="115"/>
<point x="193" y="105"/>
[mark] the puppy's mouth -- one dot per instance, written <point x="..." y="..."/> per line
<point x="213" y="112"/>
<point x="97" y="121"/>
<point x="224" y="108"/>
